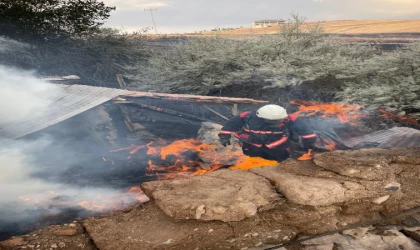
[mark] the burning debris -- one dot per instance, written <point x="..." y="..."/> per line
<point x="191" y="157"/>
<point x="345" y="113"/>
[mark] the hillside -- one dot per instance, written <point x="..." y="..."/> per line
<point x="345" y="27"/>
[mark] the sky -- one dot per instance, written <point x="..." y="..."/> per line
<point x="180" y="16"/>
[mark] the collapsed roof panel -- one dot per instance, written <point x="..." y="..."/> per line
<point x="60" y="102"/>
<point x="394" y="137"/>
<point x="402" y="141"/>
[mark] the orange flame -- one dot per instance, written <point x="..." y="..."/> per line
<point x="345" y="113"/>
<point x="183" y="162"/>
<point x="328" y="144"/>
<point x="94" y="205"/>
<point x="306" y="157"/>
<point x="136" y="190"/>
<point x="185" y="167"/>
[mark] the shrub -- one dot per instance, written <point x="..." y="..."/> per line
<point x="390" y="80"/>
<point x="298" y="53"/>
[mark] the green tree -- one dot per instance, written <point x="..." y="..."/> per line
<point x="38" y="20"/>
<point x="96" y="58"/>
<point x="60" y="37"/>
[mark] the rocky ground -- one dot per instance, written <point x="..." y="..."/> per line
<point x="262" y="208"/>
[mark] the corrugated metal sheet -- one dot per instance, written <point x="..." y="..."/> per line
<point x="64" y="101"/>
<point x="402" y="141"/>
<point x="394" y="137"/>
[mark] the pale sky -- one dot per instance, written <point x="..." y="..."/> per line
<point x="178" y="16"/>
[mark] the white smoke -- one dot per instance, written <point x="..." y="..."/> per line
<point x="25" y="200"/>
<point x="8" y="45"/>
<point x="21" y="95"/>
<point x="22" y="189"/>
<point x="18" y="185"/>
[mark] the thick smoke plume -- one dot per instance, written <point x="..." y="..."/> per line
<point x="27" y="191"/>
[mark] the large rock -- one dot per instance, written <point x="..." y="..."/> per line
<point x="209" y="133"/>
<point x="146" y="227"/>
<point x="376" y="239"/>
<point x="225" y="195"/>
<point x="312" y="191"/>
<point x="228" y="156"/>
<point x="367" y="164"/>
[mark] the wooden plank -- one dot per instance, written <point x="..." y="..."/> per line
<point x="190" y="98"/>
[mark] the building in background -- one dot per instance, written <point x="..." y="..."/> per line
<point x="266" y="23"/>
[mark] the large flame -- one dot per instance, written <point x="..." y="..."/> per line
<point x="184" y="158"/>
<point x="345" y="113"/>
<point x="185" y="164"/>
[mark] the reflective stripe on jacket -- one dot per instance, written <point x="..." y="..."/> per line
<point x="249" y="128"/>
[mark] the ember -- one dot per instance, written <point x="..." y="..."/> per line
<point x="404" y="119"/>
<point x="132" y="149"/>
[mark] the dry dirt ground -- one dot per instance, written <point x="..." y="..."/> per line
<point x="67" y="236"/>
<point x="260" y="208"/>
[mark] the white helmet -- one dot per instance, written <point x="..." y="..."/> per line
<point x="272" y="112"/>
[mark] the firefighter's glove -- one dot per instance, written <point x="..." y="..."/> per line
<point x="224" y="141"/>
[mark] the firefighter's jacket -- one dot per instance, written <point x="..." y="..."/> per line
<point x="251" y="129"/>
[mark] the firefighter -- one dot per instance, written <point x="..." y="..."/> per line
<point x="265" y="132"/>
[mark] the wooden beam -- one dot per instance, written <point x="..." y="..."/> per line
<point x="121" y="82"/>
<point x="188" y="98"/>
<point x="235" y="109"/>
<point x="215" y="112"/>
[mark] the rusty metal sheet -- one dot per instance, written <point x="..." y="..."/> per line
<point x="62" y="102"/>
<point x="389" y="138"/>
